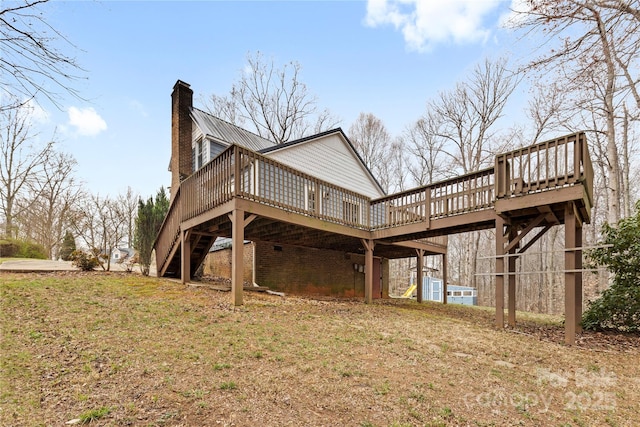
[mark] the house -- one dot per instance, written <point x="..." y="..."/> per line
<point x="329" y="157"/>
<point x="331" y="234"/>
<point x="122" y="253"/>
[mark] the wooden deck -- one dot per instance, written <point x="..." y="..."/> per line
<point x="244" y="195"/>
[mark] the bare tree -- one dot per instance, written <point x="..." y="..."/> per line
<point x="372" y="141"/>
<point x="32" y="64"/>
<point x="398" y="166"/>
<point x="274" y="100"/>
<point x="225" y="108"/>
<point x="50" y="203"/>
<point x="463" y="122"/>
<point x="101" y="225"/>
<point x="128" y="206"/>
<point x="425" y="146"/>
<point x="468" y="113"/>
<point x="21" y="162"/>
<point x="598" y="45"/>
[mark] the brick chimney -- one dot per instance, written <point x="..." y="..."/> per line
<point x="181" y="124"/>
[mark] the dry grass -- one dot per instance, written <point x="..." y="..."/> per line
<point x="117" y="349"/>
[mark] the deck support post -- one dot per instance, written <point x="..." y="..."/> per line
<point x="369" y="245"/>
<point x="500" y="252"/>
<point x="444" y="278"/>
<point x="185" y="256"/>
<point x="572" y="277"/>
<point x="237" y="255"/>
<point x="419" y="275"/>
<point x="511" y="263"/>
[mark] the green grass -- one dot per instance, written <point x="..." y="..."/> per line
<point x="93" y="415"/>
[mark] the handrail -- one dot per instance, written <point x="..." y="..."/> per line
<point x="169" y="231"/>
<point x="543" y="166"/>
<point x="466" y="193"/>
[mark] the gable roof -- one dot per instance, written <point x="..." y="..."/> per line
<point x="227" y="133"/>
<point x="336" y="131"/>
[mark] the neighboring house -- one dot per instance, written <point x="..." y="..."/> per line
<point x="328" y="156"/>
<point x="121" y="254"/>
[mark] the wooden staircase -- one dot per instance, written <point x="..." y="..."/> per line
<point x="199" y="244"/>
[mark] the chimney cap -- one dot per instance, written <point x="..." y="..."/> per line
<point x="181" y="83"/>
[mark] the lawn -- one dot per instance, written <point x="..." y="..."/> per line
<point x="120" y="349"/>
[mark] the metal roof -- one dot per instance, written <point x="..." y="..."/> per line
<point x="226" y="132"/>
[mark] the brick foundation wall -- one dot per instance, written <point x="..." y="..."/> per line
<point x="218" y="263"/>
<point x="307" y="271"/>
<point x="299" y="271"/>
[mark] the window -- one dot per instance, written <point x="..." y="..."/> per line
<point x="310" y="203"/>
<point x="457" y="293"/>
<point x="467" y="293"/>
<point x="198" y="154"/>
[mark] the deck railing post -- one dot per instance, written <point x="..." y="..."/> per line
<point x="236" y="170"/>
<point x="502" y="179"/>
<point x="427" y="207"/>
<point x="577" y="158"/>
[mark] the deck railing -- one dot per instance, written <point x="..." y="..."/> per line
<point x="242" y="173"/>
<point x="169" y="232"/>
<point x="272" y="183"/>
<point x="463" y="194"/>
<point x="544" y="166"/>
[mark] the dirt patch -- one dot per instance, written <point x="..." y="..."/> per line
<point x="121" y="349"/>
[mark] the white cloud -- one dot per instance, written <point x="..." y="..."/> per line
<point x="425" y="23"/>
<point x="86" y="121"/>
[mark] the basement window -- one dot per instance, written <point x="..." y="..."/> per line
<point x="277" y="248"/>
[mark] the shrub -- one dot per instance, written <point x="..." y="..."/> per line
<point x="32" y="250"/>
<point x="21" y="249"/>
<point x="618" y="307"/>
<point x="85" y="261"/>
<point x="8" y="248"/>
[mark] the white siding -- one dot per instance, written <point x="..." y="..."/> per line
<point x="331" y="159"/>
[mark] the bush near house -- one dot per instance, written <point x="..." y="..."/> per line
<point x="85" y="260"/>
<point x="21" y="249"/>
<point x="618" y="307"/>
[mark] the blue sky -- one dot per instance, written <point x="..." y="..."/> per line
<point x="383" y="57"/>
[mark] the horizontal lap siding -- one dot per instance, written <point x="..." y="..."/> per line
<point x="329" y="159"/>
